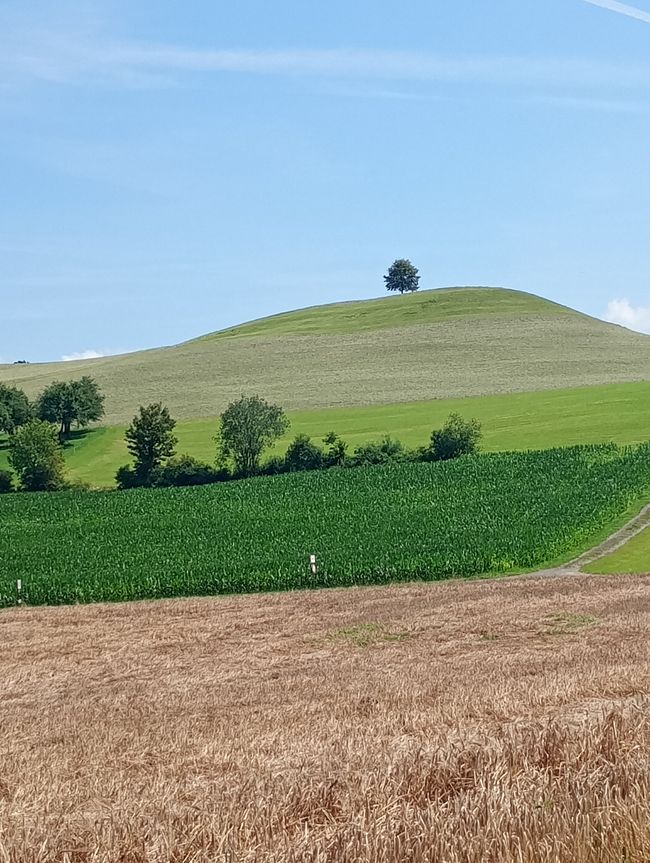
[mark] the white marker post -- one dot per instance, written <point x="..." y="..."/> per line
<point x="19" y="587"/>
<point x="312" y="564"/>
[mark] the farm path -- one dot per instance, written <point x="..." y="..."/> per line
<point x="575" y="567"/>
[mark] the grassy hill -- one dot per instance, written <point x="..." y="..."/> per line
<point x="442" y="344"/>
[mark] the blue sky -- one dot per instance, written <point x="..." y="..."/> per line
<point x="168" y="168"/>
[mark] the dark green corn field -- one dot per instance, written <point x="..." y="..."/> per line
<point x="475" y="515"/>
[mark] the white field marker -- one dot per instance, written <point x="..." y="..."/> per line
<point x="19" y="587"/>
<point x="312" y="564"/>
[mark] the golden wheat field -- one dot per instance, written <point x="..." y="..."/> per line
<point x="466" y="722"/>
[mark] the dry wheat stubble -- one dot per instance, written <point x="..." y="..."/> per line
<point x="293" y="727"/>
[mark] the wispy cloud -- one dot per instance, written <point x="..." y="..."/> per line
<point x="588" y="103"/>
<point x="82" y="355"/>
<point x="633" y="317"/>
<point x="622" y="9"/>
<point x="89" y="58"/>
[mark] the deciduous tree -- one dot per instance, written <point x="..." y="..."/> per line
<point x="36" y="455"/>
<point x="402" y="276"/>
<point x="15" y="409"/>
<point x="150" y="440"/>
<point x="67" y="402"/>
<point x="248" y="426"/>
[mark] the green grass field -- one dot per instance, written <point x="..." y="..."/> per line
<point x="517" y="421"/>
<point x="444" y="344"/>
<point x="633" y="557"/>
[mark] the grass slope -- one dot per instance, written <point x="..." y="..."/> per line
<point x="423" y="307"/>
<point x="517" y="421"/>
<point x="448" y="343"/>
<point x="633" y="557"/>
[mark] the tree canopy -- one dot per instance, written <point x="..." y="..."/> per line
<point x="67" y="402"/>
<point x="248" y="426"/>
<point x="15" y="409"/>
<point x="150" y="440"/>
<point x="36" y="455"/>
<point x="402" y="276"/>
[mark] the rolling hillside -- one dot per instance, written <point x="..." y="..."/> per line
<point x="449" y="343"/>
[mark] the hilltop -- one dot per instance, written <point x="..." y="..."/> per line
<point x="446" y="343"/>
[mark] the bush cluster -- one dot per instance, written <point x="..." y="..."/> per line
<point x="182" y="470"/>
<point x="248" y="427"/>
<point x="457" y="437"/>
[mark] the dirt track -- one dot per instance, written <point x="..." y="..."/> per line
<point x="617" y="540"/>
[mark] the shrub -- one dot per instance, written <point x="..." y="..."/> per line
<point x="336" y="454"/>
<point x="274" y="465"/>
<point x="186" y="470"/>
<point x="126" y="477"/>
<point x="80" y="485"/>
<point x="379" y="452"/>
<point x="457" y="437"/>
<point x="304" y="454"/>
<point x="6" y="481"/>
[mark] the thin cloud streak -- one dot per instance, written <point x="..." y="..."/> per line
<point x="622" y="9"/>
<point x="586" y="103"/>
<point x="58" y="59"/>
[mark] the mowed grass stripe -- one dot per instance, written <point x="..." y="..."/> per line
<point x="519" y="421"/>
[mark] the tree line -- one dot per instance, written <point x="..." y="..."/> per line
<point x="37" y="429"/>
<point x="247" y="429"/>
<point x="62" y="403"/>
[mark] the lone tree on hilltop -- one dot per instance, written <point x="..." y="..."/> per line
<point x="150" y="440"/>
<point x="65" y="402"/>
<point x="248" y="426"/>
<point x="402" y="276"/>
<point x="36" y="455"/>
